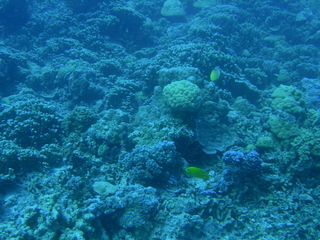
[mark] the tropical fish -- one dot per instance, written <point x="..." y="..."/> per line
<point x="215" y="74"/>
<point x="196" y="172"/>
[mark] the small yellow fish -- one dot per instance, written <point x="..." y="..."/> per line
<point x="196" y="172"/>
<point x="215" y="74"/>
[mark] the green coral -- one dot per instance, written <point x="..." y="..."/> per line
<point x="288" y="99"/>
<point x="80" y="119"/>
<point x="181" y="95"/>
<point x="282" y="128"/>
<point x="283" y="76"/>
<point x="204" y="3"/>
<point x="307" y="144"/>
<point x="265" y="142"/>
<point x="172" y="8"/>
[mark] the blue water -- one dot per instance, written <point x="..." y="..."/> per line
<point x="159" y="120"/>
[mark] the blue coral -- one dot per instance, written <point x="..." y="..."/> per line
<point x="240" y="169"/>
<point x="152" y="165"/>
<point x="31" y="123"/>
<point x="240" y="163"/>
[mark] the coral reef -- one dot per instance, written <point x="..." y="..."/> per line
<point x="113" y="127"/>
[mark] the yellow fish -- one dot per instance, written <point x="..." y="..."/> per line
<point x="215" y="74"/>
<point x="196" y="172"/>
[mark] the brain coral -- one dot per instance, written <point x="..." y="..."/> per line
<point x="181" y="95"/>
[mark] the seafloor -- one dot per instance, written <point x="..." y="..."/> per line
<point x="159" y="120"/>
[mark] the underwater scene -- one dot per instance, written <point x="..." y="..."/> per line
<point x="159" y="120"/>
